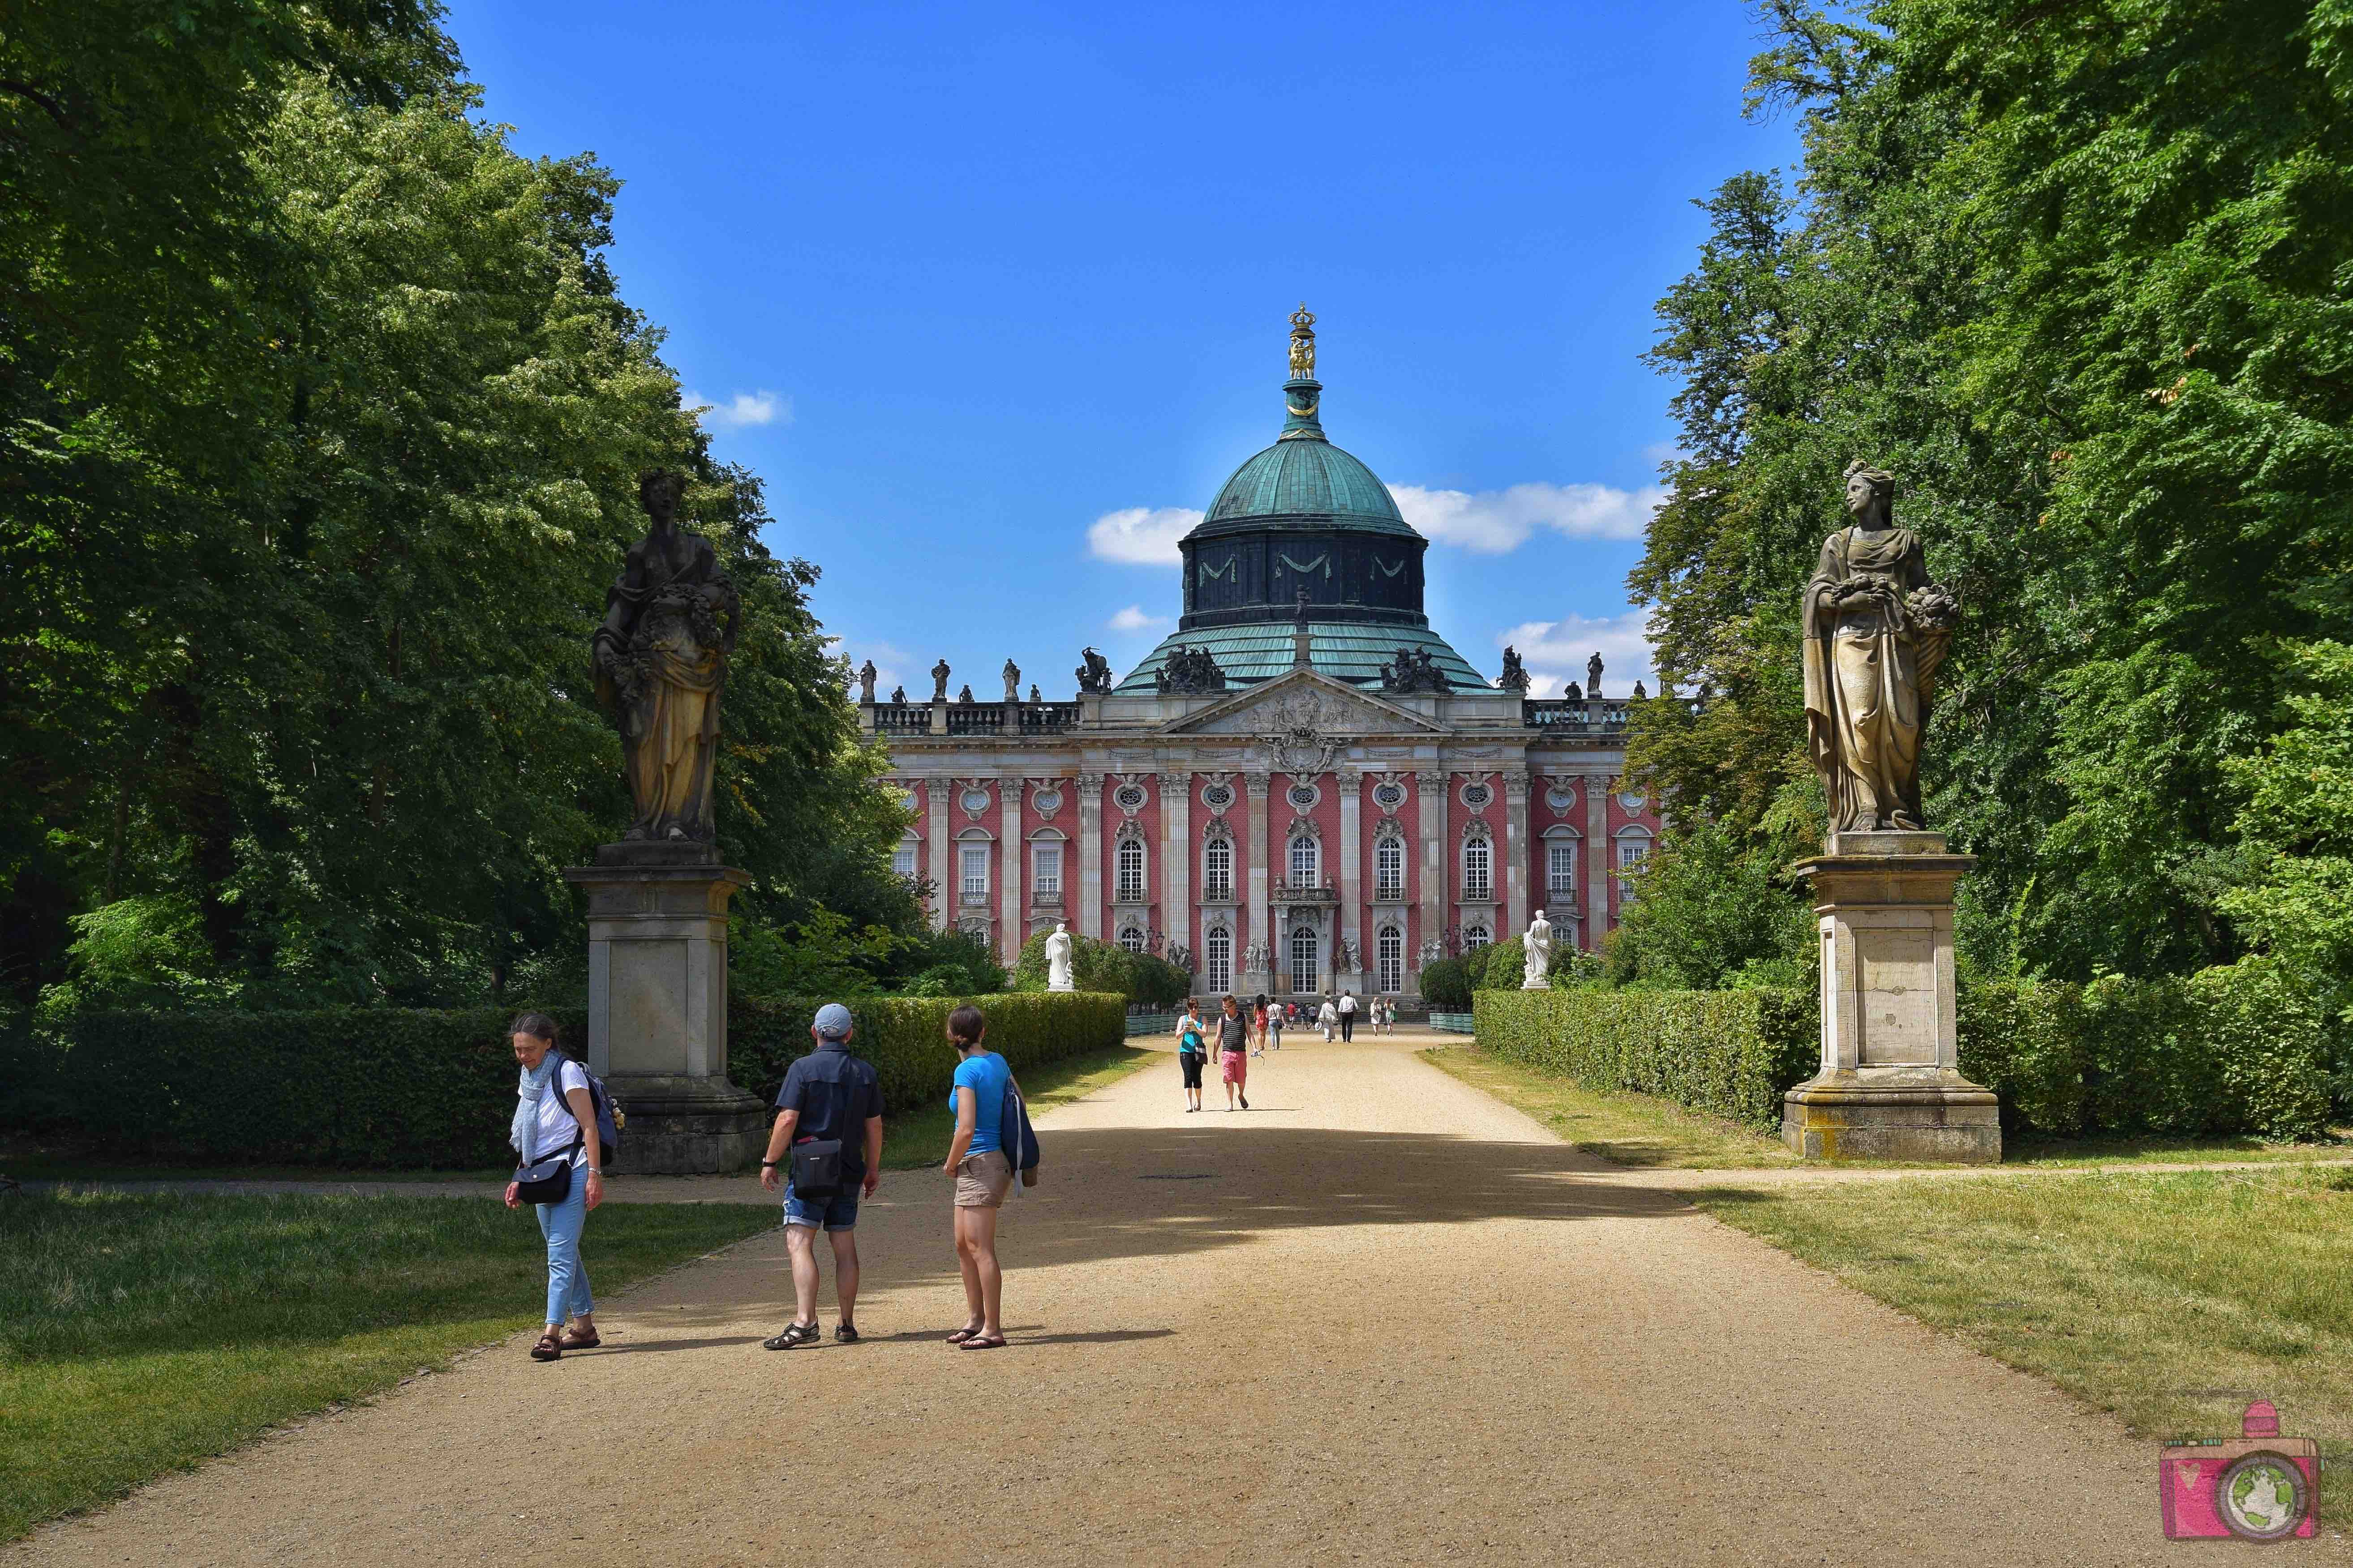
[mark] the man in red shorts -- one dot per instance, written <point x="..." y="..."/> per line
<point x="1233" y="1051"/>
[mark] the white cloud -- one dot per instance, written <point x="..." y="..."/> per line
<point x="1142" y="536"/>
<point x="745" y="408"/>
<point x="1495" y="521"/>
<point x="1555" y="652"/>
<point x="1134" y="619"/>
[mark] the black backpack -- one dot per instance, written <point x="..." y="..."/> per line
<point x="609" y="1121"/>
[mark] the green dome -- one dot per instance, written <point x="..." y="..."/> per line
<point x="1308" y="479"/>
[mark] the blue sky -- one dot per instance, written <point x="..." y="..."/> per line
<point x="992" y="295"/>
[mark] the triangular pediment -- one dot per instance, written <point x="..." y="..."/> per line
<point x="1303" y="701"/>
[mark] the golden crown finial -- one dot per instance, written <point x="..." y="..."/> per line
<point x="1303" y="344"/>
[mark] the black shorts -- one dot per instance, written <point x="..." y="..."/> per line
<point x="1191" y="1062"/>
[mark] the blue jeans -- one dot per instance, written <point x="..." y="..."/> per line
<point x="839" y="1211"/>
<point x="568" y="1277"/>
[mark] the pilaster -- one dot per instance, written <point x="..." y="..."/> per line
<point x="1516" y="853"/>
<point x="935" y="816"/>
<point x="1090" y="848"/>
<point x="1351" y="785"/>
<point x="1176" y="859"/>
<point x="1429" y="802"/>
<point x="1261" y="930"/>
<point x="1597" y="860"/>
<point x="1012" y="871"/>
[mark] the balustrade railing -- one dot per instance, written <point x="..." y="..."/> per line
<point x="976" y="718"/>
<point x="1048" y="718"/>
<point x="1560" y="713"/>
<point x="1303" y="892"/>
<point x="903" y="718"/>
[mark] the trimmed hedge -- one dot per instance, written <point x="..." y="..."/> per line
<point x="386" y="1088"/>
<point x="1727" y="1053"/>
<point x="2246" y="1049"/>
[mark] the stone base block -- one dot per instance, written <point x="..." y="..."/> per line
<point x="1923" y="1115"/>
<point x="687" y="1126"/>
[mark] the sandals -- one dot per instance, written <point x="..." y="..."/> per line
<point x="794" y="1336"/>
<point x="1246" y="1102"/>
<point x="549" y="1348"/>
<point x="573" y="1340"/>
<point x="847" y="1333"/>
<point x="982" y="1343"/>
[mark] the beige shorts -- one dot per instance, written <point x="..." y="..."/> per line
<point x="983" y="1179"/>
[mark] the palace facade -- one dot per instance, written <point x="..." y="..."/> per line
<point x="1302" y="788"/>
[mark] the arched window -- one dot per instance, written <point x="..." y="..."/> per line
<point x="1560" y="871"/>
<point x="974" y="866"/>
<point x="1132" y="938"/>
<point x="1303" y="959"/>
<point x="1389" y="959"/>
<point x="1217" y="870"/>
<point x="1306" y="861"/>
<point x="1475" y="937"/>
<point x="1219" y="973"/>
<point x="1130" y="872"/>
<point x="903" y="859"/>
<point x="1478" y="867"/>
<point x="1389" y="869"/>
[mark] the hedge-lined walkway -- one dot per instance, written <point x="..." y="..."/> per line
<point x="1381" y="1317"/>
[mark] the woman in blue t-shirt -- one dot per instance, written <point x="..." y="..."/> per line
<point x="983" y="1172"/>
<point x="1192" y="1051"/>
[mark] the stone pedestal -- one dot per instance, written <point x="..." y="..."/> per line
<point x="658" y="1008"/>
<point x="1890" y="1086"/>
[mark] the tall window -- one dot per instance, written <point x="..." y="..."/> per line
<point x="1478" y="868"/>
<point x="1217" y="873"/>
<point x="975" y="873"/>
<point x="1560" y="871"/>
<point x="1219" y="973"/>
<point x="1303" y="959"/>
<point x="1388" y="958"/>
<point x="1389" y="869"/>
<point x="1130" y="872"/>
<point x="903" y="859"/>
<point x="1132" y="938"/>
<point x="1305" y="860"/>
<point x="1046" y="870"/>
<point x="1631" y="853"/>
<point x="1475" y="937"/>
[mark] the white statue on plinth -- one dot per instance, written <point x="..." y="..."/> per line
<point x="1539" y="943"/>
<point x="1057" y="960"/>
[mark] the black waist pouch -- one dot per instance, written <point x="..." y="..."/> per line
<point x="816" y="1168"/>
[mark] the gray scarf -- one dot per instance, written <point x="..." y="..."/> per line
<point x="532" y="1085"/>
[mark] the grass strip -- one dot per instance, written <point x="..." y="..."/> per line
<point x="2171" y="1299"/>
<point x="1631" y="1129"/>
<point x="144" y="1332"/>
<point x="917" y="1136"/>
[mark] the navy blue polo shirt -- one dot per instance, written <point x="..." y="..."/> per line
<point x="834" y="1092"/>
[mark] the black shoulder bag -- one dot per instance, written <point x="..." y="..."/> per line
<point x="548" y="1180"/>
<point x="817" y="1162"/>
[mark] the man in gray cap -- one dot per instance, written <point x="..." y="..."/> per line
<point x="829" y="1098"/>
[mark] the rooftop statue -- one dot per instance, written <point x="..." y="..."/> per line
<point x="940" y="673"/>
<point x="899" y="694"/>
<point x="1094" y="672"/>
<point x="1303" y="344"/>
<point x="1876" y="632"/>
<point x="1012" y="682"/>
<point x="1414" y="671"/>
<point x="865" y="678"/>
<point x="661" y="661"/>
<point x="1189" y="672"/>
<point x="1515" y="674"/>
<point x="1593" y="677"/>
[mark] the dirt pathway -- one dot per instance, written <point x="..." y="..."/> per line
<point x="1379" y="1317"/>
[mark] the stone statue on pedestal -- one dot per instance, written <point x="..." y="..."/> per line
<point x="1515" y="674"/>
<point x="1094" y="672"/>
<point x="940" y="681"/>
<point x="1593" y="677"/>
<point x="1057" y="960"/>
<point x="899" y="694"/>
<point x="866" y="676"/>
<point x="964" y="693"/>
<point x="1572" y="693"/>
<point x="1536" y="969"/>
<point x="661" y="659"/>
<point x="1012" y="682"/>
<point x="1876" y="632"/>
<point x="1034" y="699"/>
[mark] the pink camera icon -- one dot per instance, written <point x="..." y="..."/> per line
<point x="2258" y="1485"/>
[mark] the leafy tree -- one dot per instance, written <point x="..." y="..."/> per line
<point x="1710" y="915"/>
<point x="2298" y="824"/>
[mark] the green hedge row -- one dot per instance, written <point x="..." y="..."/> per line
<point x="2246" y="1049"/>
<point x="388" y="1087"/>
<point x="1727" y="1053"/>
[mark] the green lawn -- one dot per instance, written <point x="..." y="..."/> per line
<point x="2171" y="1299"/>
<point x="918" y="1136"/>
<point x="142" y="1332"/>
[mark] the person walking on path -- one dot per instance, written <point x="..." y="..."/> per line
<point x="1274" y="1027"/>
<point x="829" y="1096"/>
<point x="552" y="1111"/>
<point x="1347" y="1015"/>
<point x="1233" y="1053"/>
<point x="983" y="1170"/>
<point x="1327" y="1017"/>
<point x="1258" y="1027"/>
<point x="1192" y="1052"/>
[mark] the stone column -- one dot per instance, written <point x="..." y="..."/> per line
<point x="1597" y="860"/>
<point x="1013" y="873"/>
<point x="1091" y="920"/>
<point x="1261" y="928"/>
<point x="1351" y="785"/>
<point x="1890" y="1086"/>
<point x="1437" y="866"/>
<point x="1515" y="850"/>
<point x="1176" y="859"/>
<point x="943" y="889"/>
<point x="658" y="1008"/>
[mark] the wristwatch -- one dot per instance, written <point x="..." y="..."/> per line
<point x="770" y="1164"/>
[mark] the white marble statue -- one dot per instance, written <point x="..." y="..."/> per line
<point x="1539" y="943"/>
<point x="1057" y="960"/>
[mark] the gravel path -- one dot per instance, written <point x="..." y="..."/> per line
<point x="1379" y="1317"/>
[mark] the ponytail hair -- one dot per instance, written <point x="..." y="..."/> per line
<point x="538" y="1025"/>
<point x="966" y="1025"/>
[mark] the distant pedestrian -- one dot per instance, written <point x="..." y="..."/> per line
<point x="1274" y="1027"/>
<point x="983" y="1169"/>
<point x="555" y="1121"/>
<point x="1258" y="1027"/>
<point x="1233" y="1053"/>
<point x="1328" y="1017"/>
<point x="827" y="1141"/>
<point x="1192" y="1051"/>
<point x="1347" y="1015"/>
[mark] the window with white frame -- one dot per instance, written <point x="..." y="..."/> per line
<point x="1217" y="870"/>
<point x="903" y="859"/>
<point x="975" y="873"/>
<point x="1476" y="937"/>
<point x="1130" y="889"/>
<point x="1631" y="853"/>
<point x="1304" y="948"/>
<point x="1045" y="870"/>
<point x="1132" y="938"/>
<point x="1560" y="869"/>
<point x="1389" y="960"/>
<point x="1389" y="869"/>
<point x="1306" y="861"/>
<point x="1478" y="867"/>
<point x="1218" y="971"/>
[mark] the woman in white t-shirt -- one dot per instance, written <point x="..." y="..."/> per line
<point x="554" y="1112"/>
